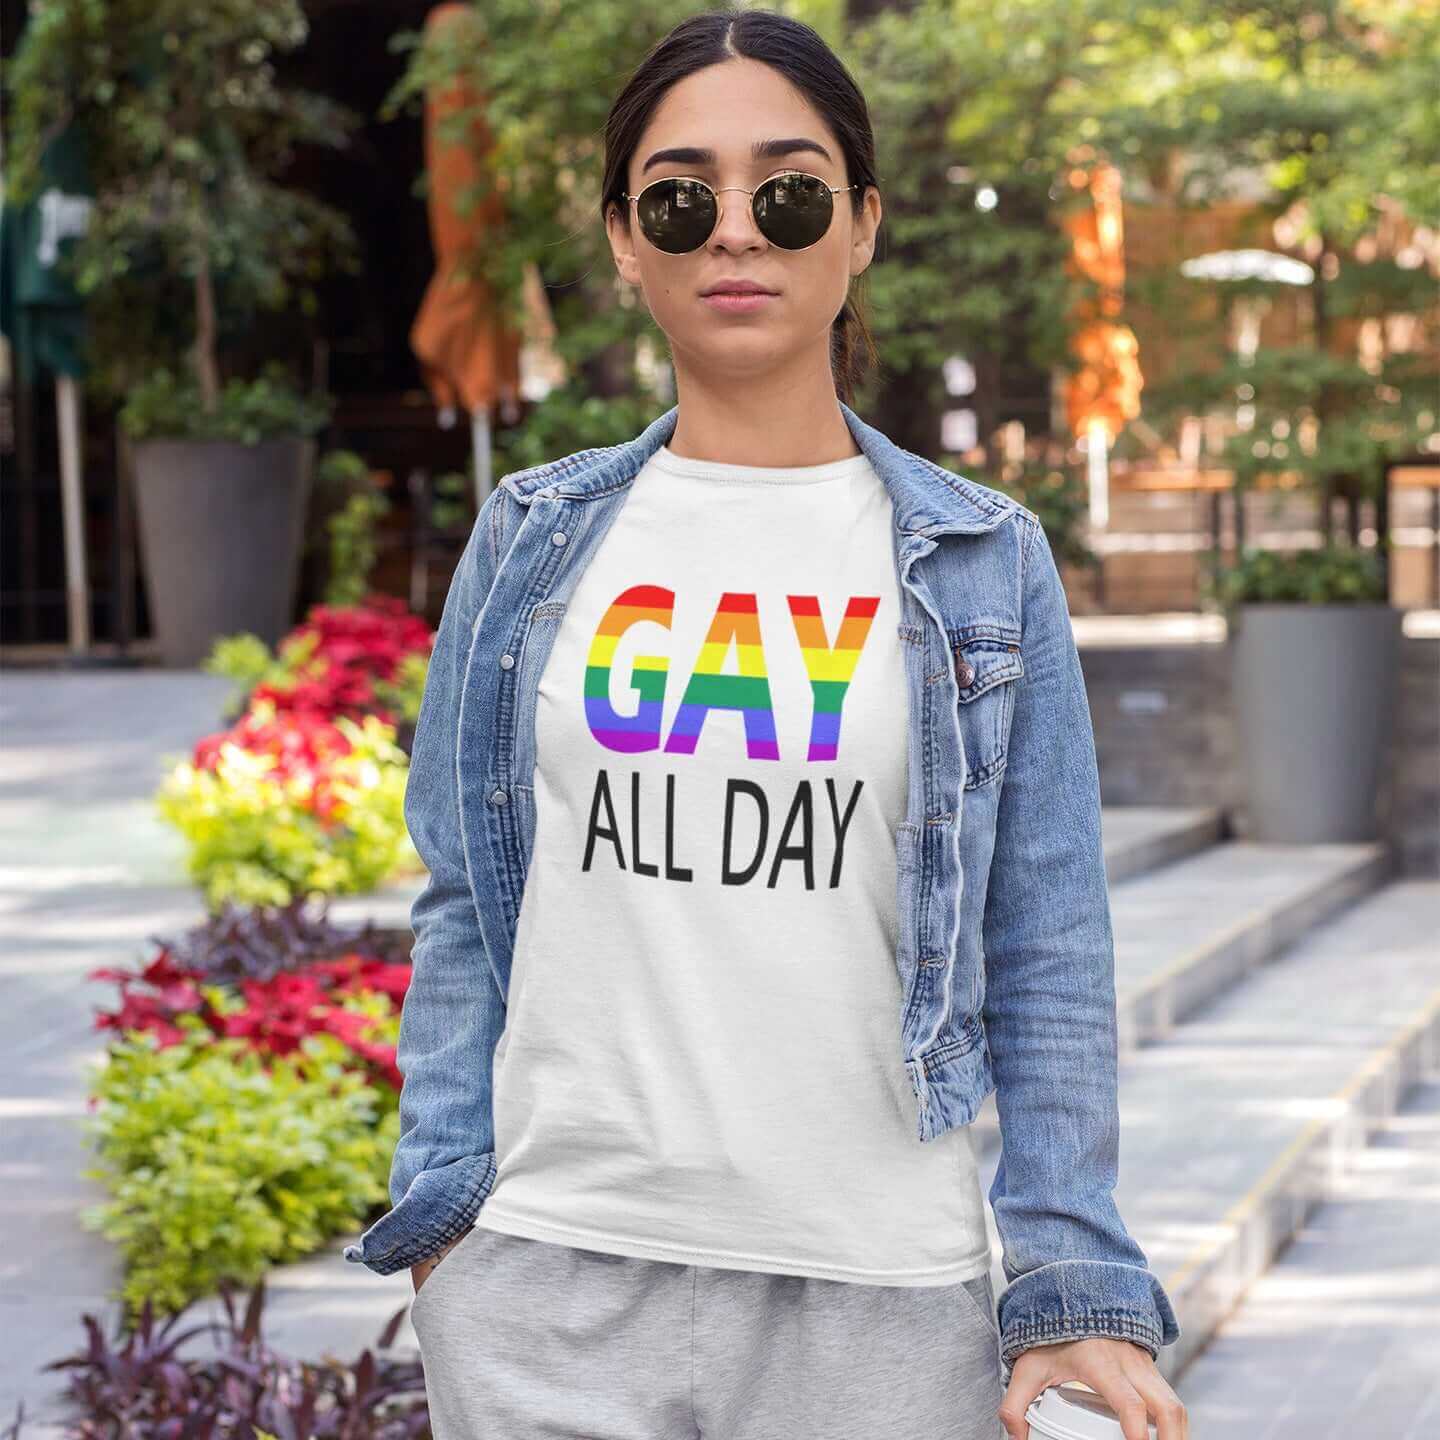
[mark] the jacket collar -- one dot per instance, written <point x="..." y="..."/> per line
<point x="927" y="499"/>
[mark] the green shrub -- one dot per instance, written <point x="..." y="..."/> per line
<point x="248" y="411"/>
<point x="286" y="805"/>
<point x="221" y="1162"/>
<point x="1328" y="575"/>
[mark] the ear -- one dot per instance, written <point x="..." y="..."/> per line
<point x="867" y="224"/>
<point x="622" y="244"/>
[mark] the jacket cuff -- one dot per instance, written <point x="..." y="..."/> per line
<point x="1077" y="1299"/>
<point x="439" y="1205"/>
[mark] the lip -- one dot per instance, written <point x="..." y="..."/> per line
<point x="736" y="285"/>
<point x="732" y="303"/>
<point x="736" y="296"/>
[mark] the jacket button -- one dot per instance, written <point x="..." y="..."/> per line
<point x="506" y="661"/>
<point x="558" y="538"/>
<point x="964" y="672"/>
<point x="498" y="797"/>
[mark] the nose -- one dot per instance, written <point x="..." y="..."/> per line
<point x="735" y="229"/>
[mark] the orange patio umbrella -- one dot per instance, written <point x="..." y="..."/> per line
<point x="469" y="356"/>
<point x="1105" y="392"/>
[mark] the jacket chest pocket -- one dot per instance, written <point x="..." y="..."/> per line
<point x="987" y="665"/>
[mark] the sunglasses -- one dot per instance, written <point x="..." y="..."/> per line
<point x="792" y="210"/>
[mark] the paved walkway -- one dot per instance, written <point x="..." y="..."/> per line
<point x="88" y="874"/>
<point x="1339" y="1338"/>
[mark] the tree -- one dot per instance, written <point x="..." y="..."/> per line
<point x="187" y="135"/>
<point x="1328" y="114"/>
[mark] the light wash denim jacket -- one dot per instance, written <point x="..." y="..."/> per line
<point x="1005" y="954"/>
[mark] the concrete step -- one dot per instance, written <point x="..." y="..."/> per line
<point x="1138" y="838"/>
<point x="1242" y="1119"/>
<point x="1186" y="931"/>
<point x="1341" y="1336"/>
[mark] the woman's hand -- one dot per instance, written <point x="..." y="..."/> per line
<point x="1122" y="1373"/>
<point x="422" y="1269"/>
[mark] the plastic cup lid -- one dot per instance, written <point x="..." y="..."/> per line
<point x="1065" y="1412"/>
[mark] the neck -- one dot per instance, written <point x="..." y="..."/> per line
<point x="761" y="419"/>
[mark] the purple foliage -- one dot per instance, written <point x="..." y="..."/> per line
<point x="137" y="1386"/>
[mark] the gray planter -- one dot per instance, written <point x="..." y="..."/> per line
<point x="221" y="527"/>
<point x="1314" y="689"/>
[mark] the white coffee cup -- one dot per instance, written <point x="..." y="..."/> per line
<point x="1065" y="1412"/>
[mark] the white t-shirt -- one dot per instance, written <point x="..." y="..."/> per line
<point x="701" y="1061"/>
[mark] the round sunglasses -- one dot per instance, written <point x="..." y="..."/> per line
<point x="792" y="210"/>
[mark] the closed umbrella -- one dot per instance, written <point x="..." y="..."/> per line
<point x="1105" y="391"/>
<point x="469" y="357"/>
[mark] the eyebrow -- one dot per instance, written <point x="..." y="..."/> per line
<point x="760" y="150"/>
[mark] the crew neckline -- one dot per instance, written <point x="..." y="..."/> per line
<point x="725" y="472"/>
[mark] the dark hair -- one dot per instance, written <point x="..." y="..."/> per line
<point x="802" y="56"/>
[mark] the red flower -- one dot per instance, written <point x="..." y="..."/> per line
<point x="354" y="973"/>
<point x="304" y="746"/>
<point x="337" y="654"/>
<point x="352" y="1029"/>
<point x="277" y="1014"/>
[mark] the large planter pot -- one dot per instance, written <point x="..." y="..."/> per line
<point x="221" y="528"/>
<point x="1314" y="690"/>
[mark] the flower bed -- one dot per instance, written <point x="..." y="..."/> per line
<point x="246" y="1109"/>
<point x="142" y="1382"/>
<point x="341" y="660"/>
<point x="288" y="804"/>
<point x="304" y="792"/>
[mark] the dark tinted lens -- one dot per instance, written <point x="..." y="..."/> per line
<point x="793" y="211"/>
<point x="676" y="215"/>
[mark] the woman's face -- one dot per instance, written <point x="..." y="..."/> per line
<point x="726" y="109"/>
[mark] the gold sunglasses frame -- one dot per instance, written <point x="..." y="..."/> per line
<point x="717" y="191"/>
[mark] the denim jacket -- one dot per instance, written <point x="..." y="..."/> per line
<point x="1005" y="951"/>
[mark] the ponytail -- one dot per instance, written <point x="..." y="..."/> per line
<point x="852" y="347"/>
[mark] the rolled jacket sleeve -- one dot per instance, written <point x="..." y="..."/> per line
<point x="1049" y="1012"/>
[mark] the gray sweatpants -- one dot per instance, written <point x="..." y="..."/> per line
<point x="523" y="1338"/>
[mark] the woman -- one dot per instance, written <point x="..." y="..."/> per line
<point x="664" y="1168"/>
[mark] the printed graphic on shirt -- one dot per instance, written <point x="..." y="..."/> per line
<point x="714" y="686"/>
<point x="737" y="622"/>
